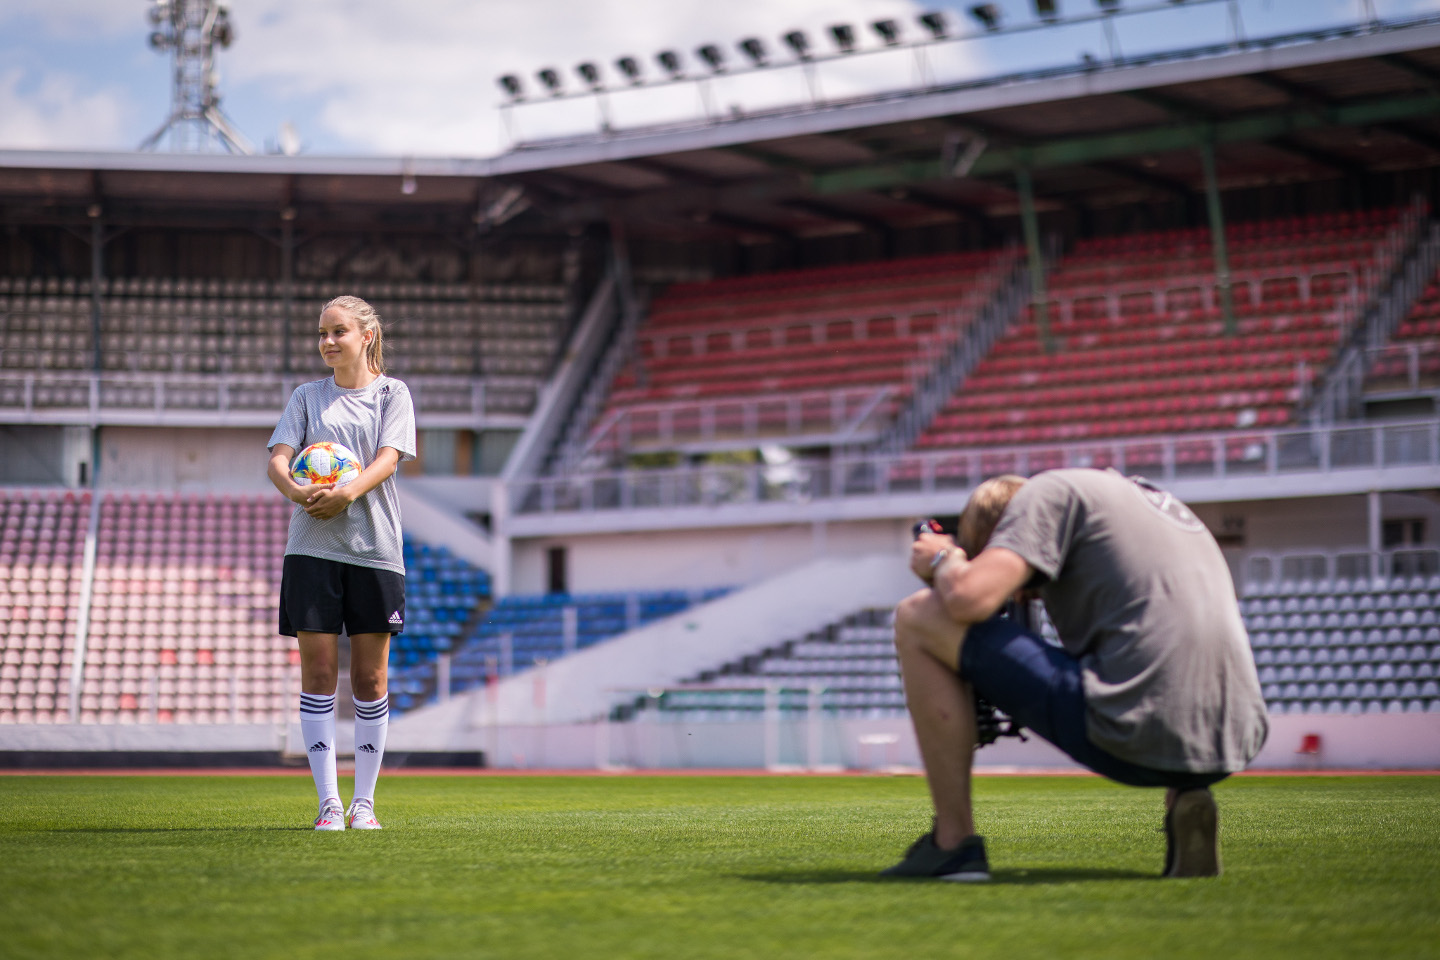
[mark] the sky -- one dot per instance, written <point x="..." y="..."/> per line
<point x="418" y="78"/>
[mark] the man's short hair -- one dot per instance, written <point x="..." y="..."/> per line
<point x="983" y="512"/>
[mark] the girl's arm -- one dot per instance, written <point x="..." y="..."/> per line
<point x="324" y="501"/>
<point x="279" y="473"/>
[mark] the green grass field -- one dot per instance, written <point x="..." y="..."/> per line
<point x="672" y="867"/>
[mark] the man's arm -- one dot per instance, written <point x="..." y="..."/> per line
<point x="970" y="590"/>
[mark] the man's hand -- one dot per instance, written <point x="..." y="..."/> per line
<point x="924" y="550"/>
<point x="324" y="501"/>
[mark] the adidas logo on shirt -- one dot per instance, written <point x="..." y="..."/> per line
<point x="395" y="618"/>
<point x="366" y="748"/>
<point x="319" y="747"/>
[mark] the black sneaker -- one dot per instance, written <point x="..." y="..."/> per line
<point x="965" y="864"/>
<point x="1192" y="836"/>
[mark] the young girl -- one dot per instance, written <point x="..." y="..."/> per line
<point x="343" y="563"/>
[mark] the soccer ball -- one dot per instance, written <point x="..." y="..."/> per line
<point x="325" y="462"/>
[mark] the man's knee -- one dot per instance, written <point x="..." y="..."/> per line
<point x="923" y="625"/>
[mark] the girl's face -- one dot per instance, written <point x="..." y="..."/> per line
<point x="342" y="341"/>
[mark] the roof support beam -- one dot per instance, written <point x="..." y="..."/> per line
<point x="1188" y="136"/>
<point x="1031" y="226"/>
<point x="1217" y="238"/>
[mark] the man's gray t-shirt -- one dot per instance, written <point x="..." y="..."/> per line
<point x="1140" y="593"/>
<point x="378" y="415"/>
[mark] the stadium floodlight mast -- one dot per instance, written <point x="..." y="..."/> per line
<point x="190" y="30"/>
<point x="754" y="48"/>
<point x="888" y="31"/>
<point x="800" y="44"/>
<point x="844" y="37"/>
<point x="629" y="68"/>
<point x="669" y="61"/>
<point x="934" y="29"/>
<point x="987" y="15"/>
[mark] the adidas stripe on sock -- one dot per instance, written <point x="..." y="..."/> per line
<point x="372" y="723"/>
<point x="317" y="727"/>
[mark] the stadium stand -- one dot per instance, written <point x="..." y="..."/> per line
<point x="1411" y="362"/>
<point x="1326" y="645"/>
<point x="198" y="330"/>
<point x="821" y="352"/>
<point x="1348" y="645"/>
<point x="42" y="537"/>
<point x="182" y="620"/>
<point x="181" y="610"/>
<point x="523" y="631"/>
<point x="1139" y="347"/>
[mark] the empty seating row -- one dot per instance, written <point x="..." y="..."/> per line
<point x="1140" y="364"/>
<point x="181" y="614"/>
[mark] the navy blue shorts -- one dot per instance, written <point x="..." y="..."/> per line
<point x="1040" y="686"/>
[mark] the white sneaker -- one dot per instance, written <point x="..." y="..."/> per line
<point x="361" y="816"/>
<point x="332" y="816"/>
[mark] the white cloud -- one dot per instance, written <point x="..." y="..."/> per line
<point x="56" y="113"/>
<point x="420" y="78"/>
<point x="77" y="18"/>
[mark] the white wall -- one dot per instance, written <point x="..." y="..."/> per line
<point x="186" y="459"/>
<point x="700" y="558"/>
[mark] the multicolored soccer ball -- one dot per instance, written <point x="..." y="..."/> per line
<point x="325" y="462"/>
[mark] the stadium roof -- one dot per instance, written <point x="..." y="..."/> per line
<point x="1282" y="110"/>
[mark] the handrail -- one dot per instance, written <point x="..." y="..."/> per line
<point x="840" y="413"/>
<point x="1259" y="453"/>
<point x="28" y="395"/>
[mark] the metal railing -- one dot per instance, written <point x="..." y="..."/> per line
<point x="31" y="397"/>
<point x="1323" y="449"/>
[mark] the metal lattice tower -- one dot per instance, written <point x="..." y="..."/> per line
<point x="192" y="28"/>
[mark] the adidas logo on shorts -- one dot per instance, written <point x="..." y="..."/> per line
<point x="396" y="619"/>
<point x="319" y="747"/>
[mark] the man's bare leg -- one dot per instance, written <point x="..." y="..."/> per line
<point x="942" y="708"/>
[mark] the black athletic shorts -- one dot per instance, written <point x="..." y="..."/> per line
<point x="1040" y="686"/>
<point x="326" y="596"/>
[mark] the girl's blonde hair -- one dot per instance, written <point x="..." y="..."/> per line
<point x="365" y="315"/>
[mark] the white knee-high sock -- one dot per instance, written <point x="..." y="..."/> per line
<point x="317" y="726"/>
<point x="372" y="722"/>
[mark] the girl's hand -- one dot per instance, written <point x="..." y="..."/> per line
<point x="327" y="501"/>
<point x="304" y="493"/>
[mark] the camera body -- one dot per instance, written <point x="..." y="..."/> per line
<point x="990" y="723"/>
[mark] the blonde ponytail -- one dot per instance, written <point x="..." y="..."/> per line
<point x="364" y="315"/>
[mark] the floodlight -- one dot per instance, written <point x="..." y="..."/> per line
<point x="935" y="23"/>
<point x="888" y="30"/>
<point x="1109" y="6"/>
<point x="669" y="61"/>
<point x="713" y="57"/>
<point x="844" y="36"/>
<point x="590" y="74"/>
<point x="630" y="67"/>
<point x="1047" y="10"/>
<point x="512" y="86"/>
<point x="158" y="40"/>
<point x="754" y="49"/>
<point x="551" y="80"/>
<point x="797" y="41"/>
<point x="987" y="15"/>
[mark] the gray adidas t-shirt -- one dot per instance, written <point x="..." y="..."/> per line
<point x="1140" y="593"/>
<point x="374" y="416"/>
